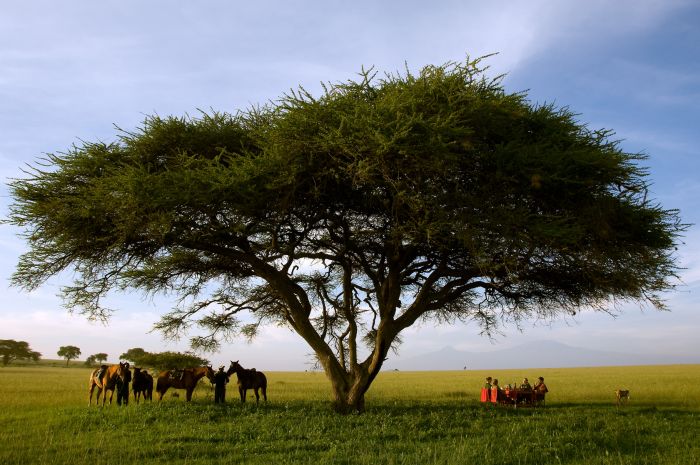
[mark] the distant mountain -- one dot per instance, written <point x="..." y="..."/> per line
<point x="540" y="354"/>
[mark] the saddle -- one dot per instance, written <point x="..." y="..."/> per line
<point x="98" y="376"/>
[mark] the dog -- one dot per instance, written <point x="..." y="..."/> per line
<point x="622" y="397"/>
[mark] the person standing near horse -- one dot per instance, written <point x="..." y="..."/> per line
<point x="220" y="380"/>
<point x="123" y="387"/>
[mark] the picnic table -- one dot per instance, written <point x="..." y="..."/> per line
<point x="515" y="397"/>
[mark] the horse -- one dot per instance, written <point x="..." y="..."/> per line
<point x="188" y="380"/>
<point x="142" y="384"/>
<point x="105" y="379"/>
<point x="249" y="379"/>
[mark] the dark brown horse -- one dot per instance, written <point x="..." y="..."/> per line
<point x="105" y="379"/>
<point x="142" y="385"/>
<point x="181" y="379"/>
<point x="249" y="379"/>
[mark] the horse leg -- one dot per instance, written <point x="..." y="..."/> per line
<point x="188" y="395"/>
<point x="264" y="391"/>
<point x="161" y="394"/>
<point x="257" y="396"/>
<point x="241" y="392"/>
<point x="91" y="389"/>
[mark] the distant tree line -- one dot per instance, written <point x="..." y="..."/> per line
<point x="163" y="360"/>
<point x="11" y="350"/>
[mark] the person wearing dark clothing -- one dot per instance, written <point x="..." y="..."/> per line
<point x="220" y="380"/>
<point x="123" y="387"/>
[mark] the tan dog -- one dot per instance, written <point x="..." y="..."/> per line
<point x="622" y="397"/>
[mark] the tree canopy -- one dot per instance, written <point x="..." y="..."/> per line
<point x="96" y="358"/>
<point x="134" y="355"/>
<point x="350" y="216"/>
<point x="11" y="350"/>
<point x="163" y="360"/>
<point x="69" y="353"/>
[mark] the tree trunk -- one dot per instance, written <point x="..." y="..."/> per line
<point x="349" y="388"/>
<point x="349" y="399"/>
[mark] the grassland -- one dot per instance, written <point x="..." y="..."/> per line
<point x="412" y="417"/>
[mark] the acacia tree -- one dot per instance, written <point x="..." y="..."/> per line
<point x="172" y="360"/>
<point x="96" y="358"/>
<point x="351" y="216"/>
<point x="135" y="355"/>
<point x="16" y="350"/>
<point x="69" y="353"/>
<point x="163" y="360"/>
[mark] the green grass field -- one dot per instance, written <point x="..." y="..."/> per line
<point x="411" y="418"/>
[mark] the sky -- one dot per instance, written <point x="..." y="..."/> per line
<point x="73" y="70"/>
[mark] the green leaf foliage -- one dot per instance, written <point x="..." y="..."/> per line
<point x="69" y="353"/>
<point x="350" y="216"/>
<point x="11" y="350"/>
<point x="163" y="360"/>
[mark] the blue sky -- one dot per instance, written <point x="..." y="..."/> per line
<point x="71" y="70"/>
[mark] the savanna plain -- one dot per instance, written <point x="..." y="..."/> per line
<point x="411" y="418"/>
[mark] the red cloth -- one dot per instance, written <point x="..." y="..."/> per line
<point x="484" y="395"/>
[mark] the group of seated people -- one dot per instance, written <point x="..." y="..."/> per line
<point x="539" y="390"/>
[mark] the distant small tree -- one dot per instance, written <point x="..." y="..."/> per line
<point x="96" y="358"/>
<point x="69" y="353"/>
<point x="16" y="350"/>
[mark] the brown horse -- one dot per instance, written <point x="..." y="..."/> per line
<point x="142" y="384"/>
<point x="181" y="379"/>
<point x="105" y="379"/>
<point x="249" y="379"/>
